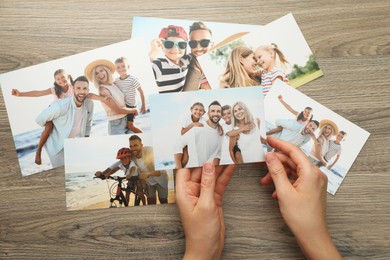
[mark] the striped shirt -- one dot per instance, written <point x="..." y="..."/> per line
<point x="169" y="76"/>
<point x="128" y="86"/>
<point x="333" y="150"/>
<point x="268" y="77"/>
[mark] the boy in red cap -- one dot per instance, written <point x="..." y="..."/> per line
<point x="132" y="175"/>
<point x="170" y="71"/>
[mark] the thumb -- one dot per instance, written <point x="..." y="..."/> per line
<point x="278" y="173"/>
<point x="207" y="184"/>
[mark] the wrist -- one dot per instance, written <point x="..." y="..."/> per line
<point x="194" y="251"/>
<point x="318" y="246"/>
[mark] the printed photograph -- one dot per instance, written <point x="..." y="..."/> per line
<point x="277" y="50"/>
<point x="222" y="126"/>
<point x="175" y="46"/>
<point x="329" y="140"/>
<point x="95" y="93"/>
<point x="114" y="171"/>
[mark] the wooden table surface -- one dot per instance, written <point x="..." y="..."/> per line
<point x="351" y="41"/>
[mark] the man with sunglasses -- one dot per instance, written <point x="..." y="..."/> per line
<point x="200" y="42"/>
<point x="171" y="70"/>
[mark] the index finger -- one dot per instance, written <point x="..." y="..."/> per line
<point x="291" y="150"/>
<point x="182" y="176"/>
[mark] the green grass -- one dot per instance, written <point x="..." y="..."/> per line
<point x="297" y="82"/>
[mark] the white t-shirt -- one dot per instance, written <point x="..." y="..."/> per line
<point x="188" y="120"/>
<point x="225" y="155"/>
<point x="127" y="170"/>
<point x="204" y="144"/>
<point x="76" y="128"/>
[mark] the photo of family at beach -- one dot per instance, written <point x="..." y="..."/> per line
<point x="223" y="126"/>
<point x="95" y="93"/>
<point x="330" y="141"/>
<point x="97" y="166"/>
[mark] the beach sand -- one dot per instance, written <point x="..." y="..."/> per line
<point x="96" y="196"/>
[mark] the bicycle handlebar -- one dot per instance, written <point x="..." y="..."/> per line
<point x="116" y="178"/>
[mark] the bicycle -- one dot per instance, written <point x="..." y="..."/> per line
<point x="117" y="189"/>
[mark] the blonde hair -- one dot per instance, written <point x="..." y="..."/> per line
<point x="235" y="75"/>
<point x="274" y="49"/>
<point x="248" y="117"/>
<point x="322" y="131"/>
<point x="96" y="82"/>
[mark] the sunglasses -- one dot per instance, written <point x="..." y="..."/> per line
<point x="170" y="44"/>
<point x="203" y="43"/>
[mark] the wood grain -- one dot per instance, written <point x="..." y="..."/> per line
<point x="351" y="41"/>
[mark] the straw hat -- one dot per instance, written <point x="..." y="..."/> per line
<point x="90" y="67"/>
<point x="331" y="123"/>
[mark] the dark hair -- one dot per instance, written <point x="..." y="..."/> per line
<point x="226" y="107"/>
<point x="197" y="104"/>
<point x="300" y="116"/>
<point x="215" y="102"/>
<point x="199" y="26"/>
<point x="57" y="88"/>
<point x="343" y="133"/>
<point x="315" y="122"/>
<point x="81" y="78"/>
<point x="135" y="137"/>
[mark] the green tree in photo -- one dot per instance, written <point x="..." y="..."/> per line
<point x="310" y="67"/>
<point x="220" y="55"/>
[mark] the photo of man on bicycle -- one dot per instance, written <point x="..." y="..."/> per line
<point x="134" y="184"/>
<point x="142" y="157"/>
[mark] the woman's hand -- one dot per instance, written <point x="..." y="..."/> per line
<point x="303" y="202"/>
<point x="199" y="193"/>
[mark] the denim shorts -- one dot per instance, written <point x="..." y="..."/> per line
<point x="117" y="126"/>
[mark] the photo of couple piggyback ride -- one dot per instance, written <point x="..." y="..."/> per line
<point x="228" y="134"/>
<point x="70" y="114"/>
<point x="327" y="147"/>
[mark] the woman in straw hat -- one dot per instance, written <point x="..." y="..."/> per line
<point x="100" y="72"/>
<point x="328" y="129"/>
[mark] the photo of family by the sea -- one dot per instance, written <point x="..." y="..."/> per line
<point x="99" y="92"/>
<point x="114" y="171"/>
<point x="330" y="141"/>
<point x="221" y="126"/>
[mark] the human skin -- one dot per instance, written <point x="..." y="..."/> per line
<point x="198" y="35"/>
<point x="249" y="63"/>
<point x="199" y="193"/>
<point x="302" y="201"/>
<point x="265" y="59"/>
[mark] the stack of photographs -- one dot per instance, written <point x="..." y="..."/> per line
<point x="122" y="117"/>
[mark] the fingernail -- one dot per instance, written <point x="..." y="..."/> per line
<point x="208" y="167"/>
<point x="270" y="157"/>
